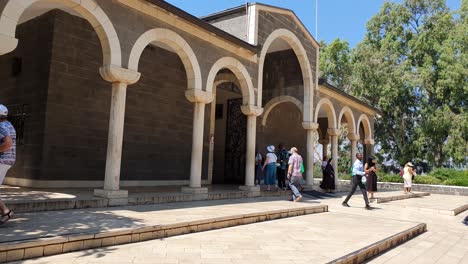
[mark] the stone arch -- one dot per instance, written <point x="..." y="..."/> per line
<point x="180" y="47"/>
<point x="301" y="54"/>
<point x="329" y="108"/>
<point x="364" y="119"/>
<point x="224" y="78"/>
<point x="279" y="100"/>
<point x="348" y="113"/>
<point x="241" y="74"/>
<point x="89" y="10"/>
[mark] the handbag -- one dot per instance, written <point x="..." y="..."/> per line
<point x="364" y="179"/>
<point x="302" y="168"/>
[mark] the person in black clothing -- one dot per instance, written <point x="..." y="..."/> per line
<point x="282" y="166"/>
<point x="328" y="178"/>
<point x="371" y="172"/>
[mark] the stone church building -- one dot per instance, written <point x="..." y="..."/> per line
<point x="108" y="94"/>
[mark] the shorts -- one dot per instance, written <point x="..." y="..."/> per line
<point x="3" y="171"/>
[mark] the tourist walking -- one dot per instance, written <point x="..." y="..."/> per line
<point x="371" y="171"/>
<point x="7" y="156"/>
<point x="258" y="168"/>
<point x="328" y="177"/>
<point x="269" y="167"/>
<point x="408" y="174"/>
<point x="282" y="155"/>
<point x="358" y="173"/>
<point x="295" y="174"/>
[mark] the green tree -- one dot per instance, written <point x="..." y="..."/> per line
<point x="335" y="63"/>
<point x="412" y="64"/>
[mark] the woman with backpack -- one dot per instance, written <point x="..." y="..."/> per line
<point x="408" y="174"/>
<point x="269" y="167"/>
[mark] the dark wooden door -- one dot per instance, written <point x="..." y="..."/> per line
<point x="236" y="127"/>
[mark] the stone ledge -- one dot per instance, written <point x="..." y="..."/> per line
<point x="20" y="250"/>
<point x="400" y="197"/>
<point x="368" y="252"/>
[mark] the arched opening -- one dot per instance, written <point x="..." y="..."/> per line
<point x="53" y="77"/>
<point x="325" y="116"/>
<point x="283" y="47"/>
<point x="346" y="127"/>
<point x="156" y="148"/>
<point x="231" y="85"/>
<point x="365" y="136"/>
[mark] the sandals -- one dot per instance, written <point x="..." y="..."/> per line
<point x="8" y="217"/>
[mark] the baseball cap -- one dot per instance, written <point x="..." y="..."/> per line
<point x="3" y="110"/>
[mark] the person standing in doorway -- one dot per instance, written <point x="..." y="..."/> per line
<point x="371" y="170"/>
<point x="7" y="156"/>
<point x="358" y="173"/>
<point x="295" y="174"/>
<point x="269" y="167"/>
<point x="282" y="166"/>
<point x="258" y="168"/>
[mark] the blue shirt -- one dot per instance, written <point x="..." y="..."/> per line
<point x="8" y="157"/>
<point x="358" y="168"/>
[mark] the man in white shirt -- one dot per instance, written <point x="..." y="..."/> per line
<point x="358" y="173"/>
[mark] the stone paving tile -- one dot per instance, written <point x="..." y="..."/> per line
<point x="303" y="239"/>
<point x="55" y="223"/>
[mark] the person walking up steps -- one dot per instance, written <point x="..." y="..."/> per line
<point x="7" y="156"/>
<point x="358" y="173"/>
<point x="295" y="174"/>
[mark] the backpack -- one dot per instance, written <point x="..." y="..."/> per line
<point x="402" y="172"/>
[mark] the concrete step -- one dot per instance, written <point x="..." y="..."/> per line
<point x="51" y="233"/>
<point x="82" y="201"/>
<point x="395" y="197"/>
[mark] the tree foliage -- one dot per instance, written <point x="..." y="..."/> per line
<point x="413" y="65"/>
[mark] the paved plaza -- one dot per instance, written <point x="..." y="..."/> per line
<point x="312" y="238"/>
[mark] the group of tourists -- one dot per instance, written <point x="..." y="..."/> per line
<point x="7" y="156"/>
<point x="278" y="166"/>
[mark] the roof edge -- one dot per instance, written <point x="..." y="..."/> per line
<point x="324" y="82"/>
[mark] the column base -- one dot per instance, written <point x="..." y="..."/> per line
<point x="194" y="190"/>
<point x="110" y="194"/>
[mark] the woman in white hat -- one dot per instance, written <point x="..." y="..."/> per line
<point x="269" y="167"/>
<point x="408" y="173"/>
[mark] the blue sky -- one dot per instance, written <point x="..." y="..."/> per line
<point x="345" y="19"/>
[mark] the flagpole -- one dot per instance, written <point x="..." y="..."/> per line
<point x="316" y="20"/>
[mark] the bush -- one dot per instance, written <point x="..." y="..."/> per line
<point x="421" y="179"/>
<point x="457" y="182"/>
<point x="345" y="177"/>
<point x="389" y="178"/>
<point x="445" y="174"/>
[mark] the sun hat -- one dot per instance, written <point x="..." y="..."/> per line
<point x="3" y="110"/>
<point x="409" y="164"/>
<point x="271" y="148"/>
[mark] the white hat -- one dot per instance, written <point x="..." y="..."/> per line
<point x="271" y="148"/>
<point x="3" y="110"/>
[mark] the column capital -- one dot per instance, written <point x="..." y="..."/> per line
<point x="9" y="44"/>
<point x="333" y="131"/>
<point x="308" y="125"/>
<point x="323" y="141"/>
<point x="199" y="96"/>
<point x="251" y="110"/>
<point x="353" y="136"/>
<point x="369" y="141"/>
<point x="112" y="73"/>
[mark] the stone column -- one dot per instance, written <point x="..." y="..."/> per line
<point x="369" y="146"/>
<point x="251" y="112"/>
<point x="200" y="99"/>
<point x="353" y="138"/>
<point x="334" y="133"/>
<point x="311" y="128"/>
<point x="324" y="143"/>
<point x="120" y="79"/>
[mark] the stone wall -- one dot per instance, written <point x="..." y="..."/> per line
<point x="234" y="24"/>
<point x="29" y="87"/>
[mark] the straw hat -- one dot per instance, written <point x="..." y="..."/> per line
<point x="409" y="164"/>
<point x="271" y="148"/>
